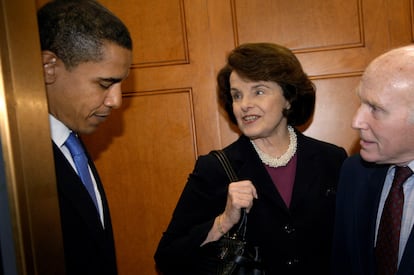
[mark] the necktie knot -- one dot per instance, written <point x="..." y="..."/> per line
<point x="402" y="173"/>
<point x="74" y="146"/>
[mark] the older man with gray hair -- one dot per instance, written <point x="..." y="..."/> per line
<point x="375" y="199"/>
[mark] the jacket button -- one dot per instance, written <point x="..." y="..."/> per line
<point x="289" y="229"/>
<point x="292" y="262"/>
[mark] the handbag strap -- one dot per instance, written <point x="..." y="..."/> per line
<point x="226" y="165"/>
<point x="231" y="174"/>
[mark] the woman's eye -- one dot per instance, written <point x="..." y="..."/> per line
<point x="236" y="96"/>
<point x="259" y="92"/>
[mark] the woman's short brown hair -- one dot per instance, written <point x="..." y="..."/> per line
<point x="269" y="62"/>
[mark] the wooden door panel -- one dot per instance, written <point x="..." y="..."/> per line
<point x="144" y="155"/>
<point x="315" y="23"/>
<point x="330" y="37"/>
<point x="158" y="29"/>
<point x="336" y="103"/>
<point x="176" y="56"/>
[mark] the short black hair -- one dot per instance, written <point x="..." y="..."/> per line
<point x="75" y="30"/>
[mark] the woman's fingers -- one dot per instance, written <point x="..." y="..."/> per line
<point x="240" y="195"/>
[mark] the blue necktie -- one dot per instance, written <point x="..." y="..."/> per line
<point x="81" y="163"/>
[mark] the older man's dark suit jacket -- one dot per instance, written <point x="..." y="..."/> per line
<point x="88" y="247"/>
<point x="358" y="199"/>
<point x="292" y="241"/>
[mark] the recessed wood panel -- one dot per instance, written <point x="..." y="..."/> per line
<point x="316" y="23"/>
<point x="337" y="37"/>
<point x="158" y="29"/>
<point x="144" y="156"/>
<point x="336" y="103"/>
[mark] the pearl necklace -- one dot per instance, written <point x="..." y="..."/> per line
<point x="283" y="159"/>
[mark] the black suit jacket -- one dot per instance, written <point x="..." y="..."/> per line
<point x="88" y="246"/>
<point x="292" y="241"/>
<point x="359" y="193"/>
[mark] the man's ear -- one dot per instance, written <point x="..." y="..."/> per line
<point x="49" y="66"/>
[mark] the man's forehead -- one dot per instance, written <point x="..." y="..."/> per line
<point x="395" y="68"/>
<point x="397" y="59"/>
<point x="383" y="78"/>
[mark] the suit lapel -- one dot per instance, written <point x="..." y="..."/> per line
<point x="250" y="164"/>
<point x="101" y="190"/>
<point x="71" y="187"/>
<point x="105" y="206"/>
<point x="367" y="200"/>
<point x="407" y="260"/>
<point x="306" y="171"/>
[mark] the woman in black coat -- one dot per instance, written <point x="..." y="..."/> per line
<point x="288" y="180"/>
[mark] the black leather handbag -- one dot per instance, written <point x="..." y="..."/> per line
<point x="236" y="257"/>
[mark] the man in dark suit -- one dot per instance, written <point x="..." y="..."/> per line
<point x="385" y="121"/>
<point x="86" y="53"/>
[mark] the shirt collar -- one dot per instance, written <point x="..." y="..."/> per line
<point x="410" y="164"/>
<point x="59" y="131"/>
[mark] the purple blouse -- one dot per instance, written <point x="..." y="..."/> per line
<point x="283" y="178"/>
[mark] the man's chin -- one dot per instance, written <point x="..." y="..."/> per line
<point x="370" y="157"/>
<point x="89" y="129"/>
